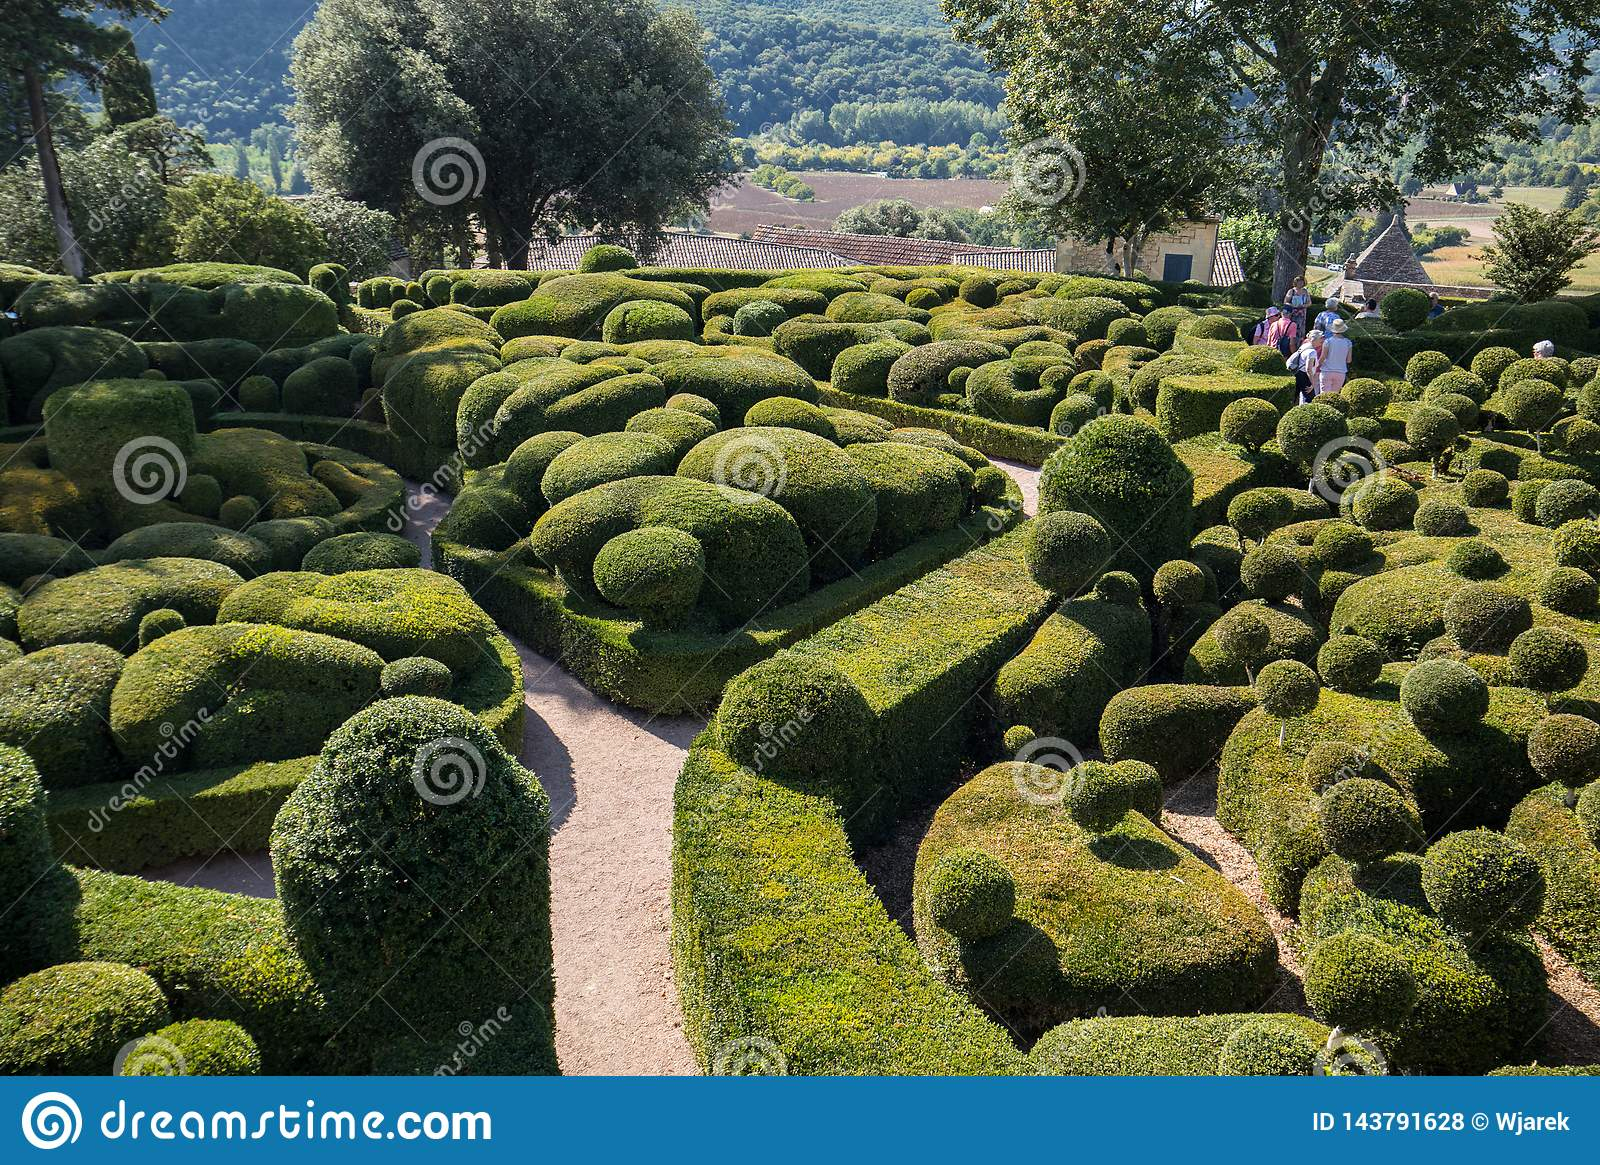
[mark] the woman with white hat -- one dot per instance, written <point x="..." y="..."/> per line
<point x="1335" y="363"/>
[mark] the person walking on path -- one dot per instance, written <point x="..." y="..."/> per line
<point x="1304" y="364"/>
<point x="1334" y="364"/>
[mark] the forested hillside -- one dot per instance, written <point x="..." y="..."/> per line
<point x="221" y="64"/>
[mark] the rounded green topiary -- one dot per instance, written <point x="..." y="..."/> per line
<point x="1306" y="430"/>
<point x="1179" y="583"/>
<point x="1355" y="982"/>
<point x="1264" y="1047"/>
<point x="1547" y="659"/>
<point x="1364" y="820"/>
<point x="646" y="319"/>
<point x="1330" y="761"/>
<point x="1437" y="518"/>
<point x="1125" y="473"/>
<point x="415" y="675"/>
<point x="1485" y="487"/>
<point x="1249" y="421"/>
<point x="1287" y="688"/>
<point x="1341" y="546"/>
<point x="1423" y="367"/>
<point x="239" y="511"/>
<point x="1577" y="544"/>
<point x="1243" y="636"/>
<point x="55" y="704"/>
<point x="257" y="394"/>
<point x="162" y="621"/>
<point x="979" y="291"/>
<point x="1432" y="431"/>
<point x="1349" y="663"/>
<point x="760" y="317"/>
<point x="1566" y="500"/>
<point x="1525" y="499"/>
<point x="1457" y="381"/>
<point x="1486" y="617"/>
<point x="37" y="929"/>
<point x="1099" y="795"/>
<point x="1489" y="363"/>
<point x="71" y="1020"/>
<point x="1476" y="559"/>
<point x="1072" y="413"/>
<point x="1588" y="811"/>
<point x="454" y="810"/>
<point x="1566" y="749"/>
<point x="1118" y="586"/>
<point x="607" y="257"/>
<point x="1463" y="408"/>
<point x="1272" y="572"/>
<point x="361" y="550"/>
<point x="193" y="1047"/>
<point x="1444" y="696"/>
<point x="1580" y="436"/>
<point x="693" y="403"/>
<point x="834" y="725"/>
<point x="1126" y="333"/>
<point x="1366" y="397"/>
<point x="1067" y="551"/>
<point x="1570" y="591"/>
<point x="201" y="496"/>
<point x="1381" y="502"/>
<point x="1404" y="308"/>
<point x="1017" y="737"/>
<point x="1255" y="513"/>
<point x="1261" y="359"/>
<point x="656" y="571"/>
<point x="1481" y="882"/>
<point x="789" y="413"/>
<point x="970" y="894"/>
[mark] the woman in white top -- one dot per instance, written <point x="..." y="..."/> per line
<point x="1304" y="365"/>
<point x="1334" y="364"/>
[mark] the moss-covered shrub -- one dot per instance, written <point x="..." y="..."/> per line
<point x="454" y="809"/>
<point x="1099" y="795"/>
<point x="1250" y="422"/>
<point x="1485" y="487"/>
<point x="158" y="623"/>
<point x="646" y="319"/>
<point x="1444" y="696"/>
<point x="1438" y="518"/>
<point x="920" y="373"/>
<point x="361" y="551"/>
<point x="1272" y="572"/>
<point x="55" y="704"/>
<point x="1566" y="500"/>
<point x="71" y="1020"/>
<point x="1349" y="663"/>
<point x="1486" y="617"/>
<point x="1476" y="559"/>
<point x="1381" y="502"/>
<point x="328" y="386"/>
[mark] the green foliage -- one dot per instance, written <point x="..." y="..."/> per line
<point x="38" y="929"/>
<point x="194" y="1047"/>
<point x="1534" y="251"/>
<point x="1424" y="367"/>
<point x="970" y="894"/>
<point x="220" y="216"/>
<point x="55" y="704"/>
<point x="72" y="1019"/>
<point x="1476" y="559"/>
<point x="1486" y="616"/>
<point x="656" y="571"/>
<point x="1484" y="487"/>
<point x="1570" y="591"/>
<point x="1364" y="819"/>
<point x="1271" y="571"/>
<point x="1359" y="983"/>
<point x="1444" y="696"/>
<point x="1268" y="1048"/>
<point x="1437" y="518"/>
<point x="1547" y="659"/>
<point x="1349" y="663"/>
<point x="1287" y="687"/>
<point x="1404" y="308"/>
<point x="415" y="675"/>
<point x="1480" y="882"/>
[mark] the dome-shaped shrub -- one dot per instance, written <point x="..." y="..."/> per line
<point x="1243" y="636"/>
<point x="970" y="894"/>
<point x="979" y="291"/>
<point x="1306" y="430"/>
<point x="700" y="406"/>
<point x="239" y="511"/>
<point x="1577" y="544"/>
<point x="1444" y="696"/>
<point x="1525" y="499"/>
<point x="1476" y="559"/>
<point x="1349" y="663"/>
<point x="1480" y="882"/>
<point x="1355" y="982"/>
<point x="1341" y="546"/>
<point x="1272" y="572"/>
<point x="1437" y="518"/>
<point x="1366" y="397"/>
<point x="1566" y="749"/>
<point x="656" y="571"/>
<point x="160" y="622"/>
<point x="1126" y="333"/>
<point x="1547" y="659"/>
<point x="1579" y="436"/>
<point x="1566" y="500"/>
<point x="1485" y="487"/>
<point x="71" y="1019"/>
<point x="837" y="725"/>
<point x="194" y="1047"/>
<point x="1179" y="583"/>
<point x="1570" y="591"/>
<point x="1125" y="473"/>
<point x="759" y="317"/>
<point x="1486" y="617"/>
<point x="1212" y="328"/>
<point x="1265" y="1047"/>
<point x="1404" y="308"/>
<point x="1249" y="421"/>
<point x="1018" y="737"/>
<point x="1489" y="363"/>
<point x="1255" y="513"/>
<point x="1330" y="761"/>
<point x="1550" y="370"/>
<point x="1262" y="360"/>
<point x="1072" y="413"/>
<point x="607" y="257"/>
<point x="1463" y="408"/>
<point x="1066" y="551"/>
<point x="1455" y="380"/>
<point x="1118" y="586"/>
<point x="1381" y="502"/>
<point x="1432" y="431"/>
<point x="1424" y="366"/>
<point x="1099" y="795"/>
<point x="1287" y="688"/>
<point x="1532" y="405"/>
<point x="1364" y="820"/>
<point x="415" y="675"/>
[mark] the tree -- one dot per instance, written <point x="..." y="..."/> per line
<point x="223" y="220"/>
<point x="126" y="92"/>
<point x="241" y="162"/>
<point x="1254" y="235"/>
<point x="619" y="131"/>
<point x="902" y="219"/>
<point x="1327" y="95"/>
<point x="39" y="38"/>
<point x="358" y="236"/>
<point x="1534" y="251"/>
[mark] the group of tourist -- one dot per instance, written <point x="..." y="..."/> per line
<point x="1320" y="360"/>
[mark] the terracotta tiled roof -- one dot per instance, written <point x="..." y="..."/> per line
<point x="691" y="249"/>
<point x="1390" y="259"/>
<point x="1035" y="260"/>
<point x="1226" y="270"/>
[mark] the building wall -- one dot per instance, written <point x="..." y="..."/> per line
<point x="1198" y="240"/>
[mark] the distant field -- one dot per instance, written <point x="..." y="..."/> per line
<point x="744" y="208"/>
<point x="1544" y="197"/>
<point x="1464" y="265"/>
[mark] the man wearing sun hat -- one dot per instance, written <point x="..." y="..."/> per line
<point x="1334" y="365"/>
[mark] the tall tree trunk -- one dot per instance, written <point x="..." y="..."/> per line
<point x="55" y="194"/>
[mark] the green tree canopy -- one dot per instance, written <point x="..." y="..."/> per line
<point x="1534" y="251"/>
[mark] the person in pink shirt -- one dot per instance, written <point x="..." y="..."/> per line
<point x="1283" y="333"/>
<point x="1334" y="366"/>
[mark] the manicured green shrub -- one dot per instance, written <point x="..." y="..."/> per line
<point x="918" y="374"/>
<point x="1330" y="761"/>
<point x="1484" y="487"/>
<point x="1265" y="1047"/>
<point x="454" y="809"/>
<point x="970" y="894"/>
<point x="645" y="319"/>
<point x="415" y="675"/>
<point x="788" y="413"/>
<point x="1271" y="571"/>
<point x="1437" y="518"/>
<point x="1145" y="1045"/>
<point x="1287" y="688"/>
<point x="1569" y="591"/>
<point x="1444" y="696"/>
<point x="1099" y="795"/>
<point x="1359" y="983"/>
<point x="1480" y="882"/>
<point x="1349" y="663"/>
<point x="1363" y="820"/>
<point x="158" y="623"/>
<point x="242" y="553"/>
<point x="1255" y="513"/>
<point x="979" y="291"/>
<point x="1067" y="551"/>
<point x="71" y="1019"/>
<point x="361" y="551"/>
<point x="1533" y="405"/>
<point x="1547" y="659"/>
<point x="1072" y="413"/>
<point x="1341" y="545"/>
<point x="735" y="383"/>
<point x="1476" y="559"/>
<point x="1161" y="325"/>
<point x="193" y="1047"/>
<point x="1404" y="308"/>
<point x="1250" y="422"/>
<point x="1565" y="748"/>
<point x="1489" y="363"/>
<point x="1212" y="327"/>
<point x="37" y="928"/>
<point x="1126" y="332"/>
<point x="655" y="571"/>
<point x="1177" y="728"/>
<point x="1178" y="583"/>
<point x="682" y="430"/>
<point x="1577" y="544"/>
<point x="1525" y="499"/>
<point x="605" y="457"/>
<point x="239" y="511"/>
<point x="104" y="604"/>
<point x="1588" y="811"/>
<point x="1486" y="617"/>
<point x="201" y="496"/>
<point x="864" y="368"/>
<point x="607" y="257"/>
<point x="1243" y="637"/>
<point x="1432" y="432"/>
<point x="1551" y="370"/>
<point x="1423" y="367"/>
<point x="1306" y="429"/>
<point x="1566" y="500"/>
<point x="1458" y="382"/>
<point x="42" y="360"/>
<point x="919" y="491"/>
<point x="1463" y="408"/>
<point x="55" y="705"/>
<point x="327" y="386"/>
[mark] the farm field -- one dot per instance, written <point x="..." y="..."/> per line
<point x="747" y="206"/>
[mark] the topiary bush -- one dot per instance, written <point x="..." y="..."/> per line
<point x="1486" y="617"/>
<point x="1437" y="518"/>
<point x="1355" y="982"/>
<point x="71" y="1019"/>
<point x="415" y="675"/>
<point x="1250" y="422"/>
<point x="1570" y="591"/>
<point x="1577" y="544"/>
<point x="970" y="894"/>
<point x="1481" y="882"/>
<point x="1381" y="502"/>
<point x="1588" y="811"/>
<point x="644" y="319"/>
<point x="1547" y="659"/>
<point x="1485" y="487"/>
<point x="654" y="571"/>
<point x="1423" y="367"/>
<point x="1476" y="559"/>
<point x="607" y="257"/>
<point x="1566" y="500"/>
<point x="158" y="623"/>
<point x="37" y="928"/>
<point x="1099" y="795"/>
<point x="455" y="811"/>
<point x="1067" y="551"/>
<point x="1363" y="820"/>
<point x="1255" y="513"/>
<point x="1404" y="308"/>
<point x="193" y="1047"/>
<point x="1349" y="663"/>
<point x="1330" y="761"/>
<point x="1265" y="1047"/>
<point x="1444" y="696"/>
<point x="55" y="704"/>
<point x="1341" y="546"/>
<point x="1287" y="688"/>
